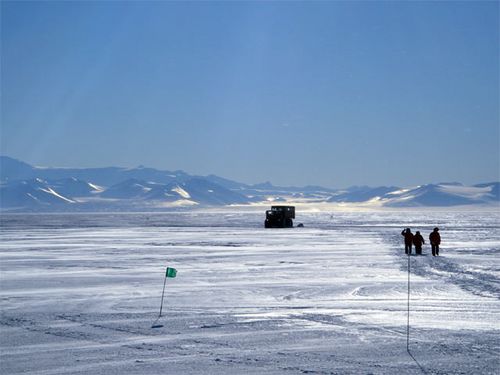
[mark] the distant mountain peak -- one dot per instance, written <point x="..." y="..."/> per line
<point x="263" y="185"/>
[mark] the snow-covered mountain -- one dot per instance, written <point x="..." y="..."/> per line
<point x="443" y="195"/>
<point x="35" y="193"/>
<point x="429" y="195"/>
<point x="24" y="187"/>
<point x="361" y="193"/>
<point x="203" y="190"/>
<point x="196" y="190"/>
<point x="128" y="189"/>
<point x="12" y="169"/>
<point x="73" y="187"/>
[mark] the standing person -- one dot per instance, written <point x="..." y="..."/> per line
<point x="408" y="235"/>
<point x="435" y="240"/>
<point x="418" y="240"/>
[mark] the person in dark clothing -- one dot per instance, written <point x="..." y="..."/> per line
<point x="435" y="240"/>
<point x="418" y="240"/>
<point x="408" y="235"/>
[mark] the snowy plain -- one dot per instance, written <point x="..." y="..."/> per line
<point x="79" y="294"/>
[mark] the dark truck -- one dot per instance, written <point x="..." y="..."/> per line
<point x="280" y="217"/>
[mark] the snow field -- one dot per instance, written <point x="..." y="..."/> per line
<point x="79" y="294"/>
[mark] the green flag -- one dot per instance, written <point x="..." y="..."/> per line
<point x="171" y="272"/>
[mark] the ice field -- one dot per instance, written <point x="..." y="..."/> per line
<point x="80" y="292"/>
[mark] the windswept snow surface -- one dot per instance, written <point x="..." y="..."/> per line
<point x="80" y="293"/>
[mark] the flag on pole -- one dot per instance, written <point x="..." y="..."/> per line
<point x="171" y="272"/>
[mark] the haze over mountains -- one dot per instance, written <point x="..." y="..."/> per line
<point x="24" y="187"/>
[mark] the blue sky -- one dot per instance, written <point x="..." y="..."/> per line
<point x="328" y="93"/>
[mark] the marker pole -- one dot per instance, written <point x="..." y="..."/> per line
<point x="408" y="320"/>
<point x="162" y="294"/>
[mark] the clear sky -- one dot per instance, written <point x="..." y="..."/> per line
<point x="328" y="93"/>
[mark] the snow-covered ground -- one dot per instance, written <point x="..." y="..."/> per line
<point x="80" y="292"/>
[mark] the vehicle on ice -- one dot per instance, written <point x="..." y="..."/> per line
<point x="280" y="217"/>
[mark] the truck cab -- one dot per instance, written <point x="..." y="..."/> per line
<point x="280" y="217"/>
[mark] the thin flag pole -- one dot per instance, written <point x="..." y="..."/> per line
<point x="162" y="294"/>
<point x="408" y="320"/>
<point x="169" y="272"/>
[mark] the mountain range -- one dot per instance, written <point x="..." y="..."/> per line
<point x="24" y="187"/>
